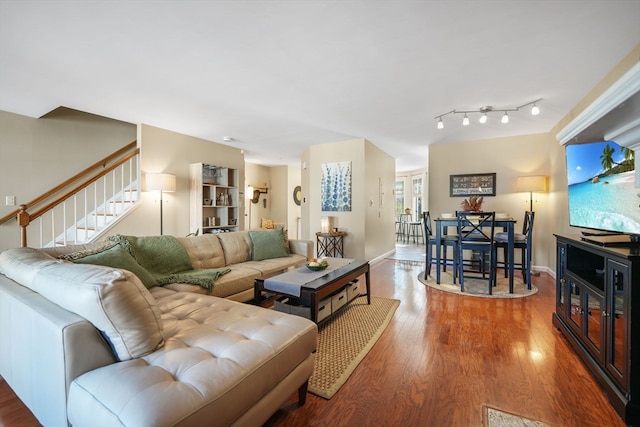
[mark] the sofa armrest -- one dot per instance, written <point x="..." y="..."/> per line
<point x="301" y="247"/>
<point x="45" y="345"/>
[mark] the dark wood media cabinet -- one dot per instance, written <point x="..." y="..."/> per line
<point x="597" y="303"/>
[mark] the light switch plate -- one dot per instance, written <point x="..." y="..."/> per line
<point x="10" y="201"/>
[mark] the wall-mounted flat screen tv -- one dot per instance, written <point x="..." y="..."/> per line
<point x="603" y="194"/>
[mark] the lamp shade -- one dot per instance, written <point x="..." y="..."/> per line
<point x="537" y="183"/>
<point x="161" y="182"/>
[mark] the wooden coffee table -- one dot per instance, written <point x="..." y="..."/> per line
<point x="322" y="287"/>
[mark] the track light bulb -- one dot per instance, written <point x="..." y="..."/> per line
<point x="465" y="121"/>
<point x="535" y="110"/>
<point x="483" y="118"/>
<point x="440" y="124"/>
<point x="505" y="118"/>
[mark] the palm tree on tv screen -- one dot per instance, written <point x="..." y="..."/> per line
<point x="607" y="157"/>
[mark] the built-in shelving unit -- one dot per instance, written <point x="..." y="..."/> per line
<point x="213" y="198"/>
<point x="597" y="303"/>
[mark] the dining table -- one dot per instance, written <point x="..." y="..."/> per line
<point x="507" y="225"/>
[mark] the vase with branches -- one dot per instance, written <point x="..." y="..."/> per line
<point x="472" y="204"/>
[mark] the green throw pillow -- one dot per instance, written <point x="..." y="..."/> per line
<point x="268" y="244"/>
<point x="117" y="257"/>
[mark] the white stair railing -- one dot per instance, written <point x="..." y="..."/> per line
<point x="87" y="214"/>
<point x="85" y="206"/>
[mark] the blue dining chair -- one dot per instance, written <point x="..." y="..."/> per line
<point x="476" y="233"/>
<point x="522" y="241"/>
<point x="430" y="243"/>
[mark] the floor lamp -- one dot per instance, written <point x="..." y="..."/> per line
<point x="537" y="184"/>
<point x="531" y="184"/>
<point x="162" y="182"/>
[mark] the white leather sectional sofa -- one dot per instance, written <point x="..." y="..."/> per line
<point x="89" y="345"/>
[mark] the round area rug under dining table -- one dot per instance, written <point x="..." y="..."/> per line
<point x="479" y="288"/>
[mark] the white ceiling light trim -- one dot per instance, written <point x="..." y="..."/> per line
<point x="620" y="91"/>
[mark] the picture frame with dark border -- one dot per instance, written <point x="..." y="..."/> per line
<point x="472" y="184"/>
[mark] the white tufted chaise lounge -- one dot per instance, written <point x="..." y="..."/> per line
<point x="88" y="345"/>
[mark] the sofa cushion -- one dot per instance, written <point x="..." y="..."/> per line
<point x="205" y="250"/>
<point x="220" y="358"/>
<point x="267" y="245"/>
<point x="113" y="300"/>
<point x="236" y="247"/>
<point x="22" y="264"/>
<point x="112" y="255"/>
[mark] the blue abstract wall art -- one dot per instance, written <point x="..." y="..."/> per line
<point x="335" y="194"/>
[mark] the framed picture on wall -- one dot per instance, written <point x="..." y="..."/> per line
<point x="335" y="187"/>
<point x="472" y="184"/>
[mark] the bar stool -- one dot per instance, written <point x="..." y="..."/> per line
<point x="416" y="231"/>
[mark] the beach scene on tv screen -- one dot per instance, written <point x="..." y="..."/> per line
<point x="602" y="192"/>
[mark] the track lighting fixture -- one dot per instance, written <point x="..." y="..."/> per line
<point x="535" y="110"/>
<point x="484" y="111"/>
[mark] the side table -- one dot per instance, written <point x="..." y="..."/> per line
<point x="330" y="244"/>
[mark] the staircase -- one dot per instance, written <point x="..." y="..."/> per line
<point x="84" y="207"/>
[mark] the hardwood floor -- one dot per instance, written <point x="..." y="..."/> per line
<point x="441" y="359"/>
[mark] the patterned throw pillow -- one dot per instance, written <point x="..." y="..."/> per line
<point x="267" y="223"/>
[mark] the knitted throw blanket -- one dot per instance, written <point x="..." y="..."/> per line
<point x="167" y="261"/>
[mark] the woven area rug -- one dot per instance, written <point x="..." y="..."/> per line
<point x="496" y="418"/>
<point x="345" y="339"/>
<point x="479" y="288"/>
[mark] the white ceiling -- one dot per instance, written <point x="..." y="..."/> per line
<point x="278" y="76"/>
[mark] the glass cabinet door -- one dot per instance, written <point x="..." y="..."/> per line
<point x="561" y="284"/>
<point x="594" y="328"/>
<point x="617" y="357"/>
<point x="576" y="314"/>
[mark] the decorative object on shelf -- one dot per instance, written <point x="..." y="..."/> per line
<point x="297" y="195"/>
<point x="162" y="182"/>
<point x="255" y="192"/>
<point x="481" y="184"/>
<point x="335" y="187"/>
<point x="473" y="204"/>
<point x="233" y="221"/>
<point x="485" y="111"/>
<point x="207" y="202"/>
<point x="531" y="184"/>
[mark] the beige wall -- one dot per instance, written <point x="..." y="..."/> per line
<point x="379" y="182"/>
<point x="369" y="226"/>
<point x="38" y="154"/>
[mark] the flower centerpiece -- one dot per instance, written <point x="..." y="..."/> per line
<point x="473" y="204"/>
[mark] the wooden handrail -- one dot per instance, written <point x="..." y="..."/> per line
<point x="44" y="196"/>
<point x="79" y="187"/>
